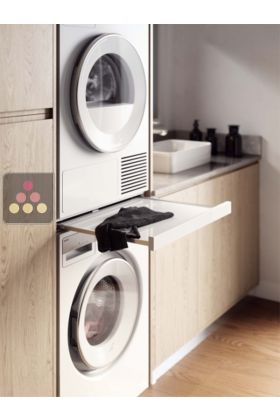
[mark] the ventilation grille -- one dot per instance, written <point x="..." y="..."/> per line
<point x="133" y="172"/>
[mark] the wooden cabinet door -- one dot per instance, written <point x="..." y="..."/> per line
<point x="26" y="63"/>
<point x="174" y="295"/>
<point x="227" y="251"/>
<point x="197" y="279"/>
<point x="27" y="267"/>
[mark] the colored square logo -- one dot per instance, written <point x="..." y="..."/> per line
<point x="28" y="198"/>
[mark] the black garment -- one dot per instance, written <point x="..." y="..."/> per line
<point x="112" y="234"/>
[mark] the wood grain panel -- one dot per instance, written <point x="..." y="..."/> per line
<point x="248" y="212"/>
<point x="241" y="358"/>
<point x="226" y="255"/>
<point x="231" y="258"/>
<point x="228" y="250"/>
<point x="174" y="288"/>
<point x="26" y="63"/>
<point x="27" y="267"/>
<point x="217" y="253"/>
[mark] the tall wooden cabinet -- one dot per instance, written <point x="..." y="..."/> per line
<point x="197" y="279"/>
<point x="26" y="75"/>
<point x="27" y="265"/>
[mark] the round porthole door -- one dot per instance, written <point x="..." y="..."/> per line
<point x="109" y="93"/>
<point x="104" y="315"/>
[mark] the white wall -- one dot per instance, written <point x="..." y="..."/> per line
<point x="230" y="74"/>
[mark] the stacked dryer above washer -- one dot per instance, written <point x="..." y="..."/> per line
<point x="103" y="131"/>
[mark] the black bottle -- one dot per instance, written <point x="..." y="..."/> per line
<point x="211" y="136"/>
<point x="196" y="134"/>
<point x="233" y="142"/>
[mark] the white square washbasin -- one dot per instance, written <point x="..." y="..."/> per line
<point x="171" y="156"/>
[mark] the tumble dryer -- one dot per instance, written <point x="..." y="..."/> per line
<point x="103" y="131"/>
<point x="103" y="319"/>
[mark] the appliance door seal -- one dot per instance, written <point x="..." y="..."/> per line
<point x="104" y="314"/>
<point x="108" y="93"/>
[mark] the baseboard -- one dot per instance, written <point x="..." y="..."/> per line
<point x="267" y="290"/>
<point x="182" y="352"/>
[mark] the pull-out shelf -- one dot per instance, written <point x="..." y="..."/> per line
<point x="187" y="219"/>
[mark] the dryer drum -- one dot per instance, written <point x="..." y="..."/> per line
<point x="105" y="81"/>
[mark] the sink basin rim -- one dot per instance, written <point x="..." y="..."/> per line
<point x="182" y="145"/>
<point x="188" y="155"/>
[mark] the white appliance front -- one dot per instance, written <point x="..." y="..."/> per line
<point x="103" y="131"/>
<point x="103" y="312"/>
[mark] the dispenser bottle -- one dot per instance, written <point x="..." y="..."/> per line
<point x="233" y="142"/>
<point x="196" y="134"/>
<point x="212" y="138"/>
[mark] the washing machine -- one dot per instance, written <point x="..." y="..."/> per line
<point x="102" y="115"/>
<point x="103" y="319"/>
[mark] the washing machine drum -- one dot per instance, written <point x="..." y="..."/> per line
<point x="108" y="93"/>
<point x="104" y="315"/>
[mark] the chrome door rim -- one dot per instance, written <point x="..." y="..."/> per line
<point x="104" y="354"/>
<point x="102" y="45"/>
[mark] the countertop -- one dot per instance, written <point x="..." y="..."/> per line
<point x="165" y="184"/>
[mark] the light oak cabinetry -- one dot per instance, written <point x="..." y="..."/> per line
<point x="174" y="294"/>
<point x="27" y="251"/>
<point x="27" y="294"/>
<point x="26" y="75"/>
<point x="197" y="279"/>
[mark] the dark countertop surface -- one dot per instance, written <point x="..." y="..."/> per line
<point x="164" y="184"/>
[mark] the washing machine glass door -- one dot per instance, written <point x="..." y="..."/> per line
<point x="109" y="93"/>
<point x="104" y="314"/>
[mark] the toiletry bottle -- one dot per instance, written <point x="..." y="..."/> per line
<point x="211" y="136"/>
<point x="196" y="134"/>
<point x="233" y="142"/>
